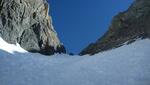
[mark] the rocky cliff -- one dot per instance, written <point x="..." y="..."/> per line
<point x="126" y="26"/>
<point x="28" y="23"/>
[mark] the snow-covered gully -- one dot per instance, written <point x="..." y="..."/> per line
<point x="126" y="65"/>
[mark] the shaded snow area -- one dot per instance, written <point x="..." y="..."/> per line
<point x="126" y="65"/>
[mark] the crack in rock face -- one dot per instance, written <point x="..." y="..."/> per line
<point x="28" y="23"/>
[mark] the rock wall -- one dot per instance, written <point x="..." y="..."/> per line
<point x="126" y="26"/>
<point x="28" y="23"/>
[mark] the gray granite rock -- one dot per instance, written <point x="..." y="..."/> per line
<point x="28" y="23"/>
<point x="126" y="26"/>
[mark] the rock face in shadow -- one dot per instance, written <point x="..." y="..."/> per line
<point x="27" y="22"/>
<point x="126" y="26"/>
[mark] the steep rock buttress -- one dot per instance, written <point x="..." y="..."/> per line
<point x="28" y="23"/>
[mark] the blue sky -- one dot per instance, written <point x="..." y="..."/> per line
<point x="81" y="22"/>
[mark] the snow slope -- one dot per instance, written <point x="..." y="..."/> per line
<point x="126" y="65"/>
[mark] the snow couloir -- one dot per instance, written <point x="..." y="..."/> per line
<point x="126" y="65"/>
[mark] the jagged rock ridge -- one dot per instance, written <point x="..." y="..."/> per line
<point x="126" y="26"/>
<point x="28" y="23"/>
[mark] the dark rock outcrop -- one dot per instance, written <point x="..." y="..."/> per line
<point x="126" y="26"/>
<point x="27" y="22"/>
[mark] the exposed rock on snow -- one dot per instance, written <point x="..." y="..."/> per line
<point x="27" y="22"/>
